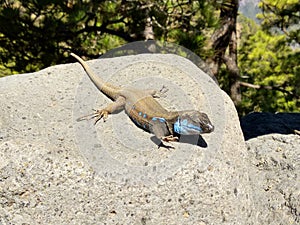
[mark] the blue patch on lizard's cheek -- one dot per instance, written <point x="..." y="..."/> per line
<point x="185" y="128"/>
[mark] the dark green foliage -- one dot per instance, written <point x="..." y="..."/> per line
<point x="267" y="61"/>
<point x="38" y="33"/>
<point x="35" y="34"/>
<point x="284" y="15"/>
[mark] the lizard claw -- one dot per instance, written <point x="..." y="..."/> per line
<point x="99" y="114"/>
<point x="163" y="90"/>
<point x="170" y="138"/>
<point x="161" y="93"/>
<point x="86" y="117"/>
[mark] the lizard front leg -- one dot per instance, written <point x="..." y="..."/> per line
<point x="160" y="129"/>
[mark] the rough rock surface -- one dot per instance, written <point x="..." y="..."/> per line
<point x="54" y="170"/>
<point x="274" y="175"/>
<point x="274" y="150"/>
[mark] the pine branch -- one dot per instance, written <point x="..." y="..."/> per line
<point x="268" y="87"/>
<point x="104" y="29"/>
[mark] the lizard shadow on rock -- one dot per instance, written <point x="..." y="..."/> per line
<point x="194" y="140"/>
<point x="189" y="139"/>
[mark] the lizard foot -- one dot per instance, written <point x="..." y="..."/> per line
<point x="163" y="90"/>
<point x="99" y="114"/>
<point x="170" y="138"/>
<point x="161" y="93"/>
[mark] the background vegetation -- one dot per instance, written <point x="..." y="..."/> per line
<point x="256" y="63"/>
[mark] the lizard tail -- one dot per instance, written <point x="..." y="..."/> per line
<point x="107" y="89"/>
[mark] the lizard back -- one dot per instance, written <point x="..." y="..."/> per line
<point x="147" y="109"/>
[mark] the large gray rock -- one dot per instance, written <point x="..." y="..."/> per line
<point x="54" y="170"/>
<point x="274" y="175"/>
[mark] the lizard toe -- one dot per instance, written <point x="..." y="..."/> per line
<point x="170" y="138"/>
<point x="100" y="114"/>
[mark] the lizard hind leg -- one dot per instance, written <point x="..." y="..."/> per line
<point x="111" y="108"/>
<point x="103" y="113"/>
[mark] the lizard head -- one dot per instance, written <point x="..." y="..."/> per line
<point x="192" y="122"/>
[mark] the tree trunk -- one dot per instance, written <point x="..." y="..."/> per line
<point x="225" y="38"/>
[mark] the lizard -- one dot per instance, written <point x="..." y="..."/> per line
<point x="146" y="112"/>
